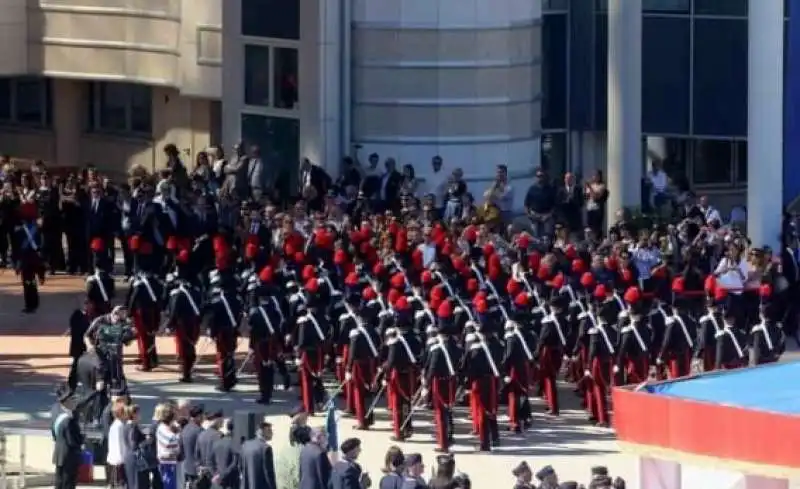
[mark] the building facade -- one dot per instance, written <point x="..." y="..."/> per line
<point x="574" y="85"/>
<point x="109" y="82"/>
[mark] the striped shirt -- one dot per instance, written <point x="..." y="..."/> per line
<point x="167" y="443"/>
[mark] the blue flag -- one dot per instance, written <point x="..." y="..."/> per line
<point x="332" y="428"/>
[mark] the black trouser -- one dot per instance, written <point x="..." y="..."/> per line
<point x="72" y="378"/>
<point x="126" y="254"/>
<point x="76" y="251"/>
<point x="6" y="236"/>
<point x="53" y="249"/>
<point x="66" y="476"/>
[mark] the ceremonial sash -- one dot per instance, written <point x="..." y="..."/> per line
<point x="728" y="330"/>
<point x="631" y="328"/>
<point x="182" y="288"/>
<point x="30" y="233"/>
<point x="710" y="317"/>
<point x="478" y="275"/>
<point x="598" y="328"/>
<point x="485" y="348"/>
<point x="361" y="329"/>
<point x="99" y="281"/>
<point x="762" y="327"/>
<point x="228" y="310"/>
<point x="525" y="347"/>
<point x="553" y="319"/>
<point x="407" y="348"/>
<point x="143" y="280"/>
<point x="265" y="317"/>
<point x="277" y="308"/>
<point x="441" y="346"/>
<point x="313" y="320"/>
<point x="679" y="320"/>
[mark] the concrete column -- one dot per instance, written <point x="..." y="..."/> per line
<point x="67" y="125"/>
<point x="765" y="121"/>
<point x="232" y="74"/>
<point x="624" y="150"/>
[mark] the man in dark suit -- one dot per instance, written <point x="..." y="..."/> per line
<point x="257" y="466"/>
<point x="569" y="203"/>
<point x="226" y="460"/>
<point x="99" y="219"/>
<point x="78" y="325"/>
<point x="314" y="185"/>
<point x="68" y="442"/>
<point x="188" y="440"/>
<point x="315" y="466"/>
<point x="204" y="448"/>
<point x="390" y="186"/>
<point x="347" y="474"/>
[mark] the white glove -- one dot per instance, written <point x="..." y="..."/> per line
<point x="587" y="373"/>
<point x="423" y="393"/>
<point x="339" y="360"/>
<point x="298" y="361"/>
<point x="659" y="361"/>
<point x="348" y="376"/>
<point x="507" y="379"/>
<point x="384" y="383"/>
<point x="615" y="369"/>
<point x="566" y="357"/>
<point x="99" y="386"/>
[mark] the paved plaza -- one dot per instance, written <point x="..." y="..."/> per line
<point x="33" y="360"/>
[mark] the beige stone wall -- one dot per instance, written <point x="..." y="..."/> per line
<point x="446" y="84"/>
<point x="171" y="43"/>
<point x="177" y="119"/>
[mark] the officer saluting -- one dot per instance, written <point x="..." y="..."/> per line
<point x="26" y="249"/>
<point x="440" y="377"/>
<point x="100" y="285"/>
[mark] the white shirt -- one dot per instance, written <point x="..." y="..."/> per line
<point x="116" y="443"/>
<point x="711" y="214"/>
<point x="436" y="184"/>
<point x="167" y="443"/>
<point x="505" y="201"/>
<point x="428" y="254"/>
<point x="731" y="280"/>
<point x="659" y="181"/>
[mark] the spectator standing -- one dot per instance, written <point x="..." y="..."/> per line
<point x="347" y="473"/>
<point x="415" y="469"/>
<point x="180" y="176"/>
<point x="540" y="202"/>
<point x="436" y="183"/>
<point x="257" y="460"/>
<point x="256" y="175"/>
<point x="390" y="186"/>
<point x="456" y="188"/>
<point x="710" y="213"/>
<point x="314" y="184"/>
<point x="445" y="471"/>
<point x="658" y="186"/>
<point x="188" y="441"/>
<point x="393" y="469"/>
<point x="595" y="195"/>
<point x="315" y="466"/>
<point x="501" y="193"/>
<point x="225" y="459"/>
<point x="167" y="444"/>
<point x="524" y="476"/>
<point x="570" y="203"/>
<point x="68" y="441"/>
<point x="116" y="446"/>
<point x="548" y="478"/>
<point x="236" y="183"/>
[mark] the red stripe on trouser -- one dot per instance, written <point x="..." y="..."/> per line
<point x="549" y="365"/>
<point x="311" y="363"/>
<point x="637" y="369"/>
<point x="141" y="336"/>
<point x="443" y="392"/>
<point x="486" y="405"/>
<point x="597" y="390"/>
<point x="399" y="388"/>
<point x="362" y="376"/>
<point x="680" y="365"/>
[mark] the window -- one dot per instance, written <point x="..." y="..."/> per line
<point x="736" y="8"/>
<point x="665" y="75"/>
<point x="123" y="108"/>
<point x="284" y="78"/>
<point x="25" y="101"/>
<point x="555" y="6"/>
<point x="554" y="153"/>
<point x="672" y="153"/>
<point x="279" y="19"/>
<point x="256" y="75"/>
<point x="278" y="138"/>
<point x="656" y="6"/>
<point x="720" y="77"/>
<point x="554" y="71"/>
<point x="713" y="162"/>
<point x="741" y="162"/>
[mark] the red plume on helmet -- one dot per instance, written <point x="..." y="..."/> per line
<point x="600" y="291"/>
<point x="392" y="296"/>
<point x="720" y="293"/>
<point x="426" y="277"/>
<point x="445" y="310"/>
<point x="369" y="294"/>
<point x="557" y="282"/>
<point x="183" y="256"/>
<point x="632" y="295"/>
<point x="627" y="275"/>
<point x="134" y="243"/>
<point x="250" y="251"/>
<point x="522" y="300"/>
<point x="401" y="304"/>
<point x="98" y="245"/>
<point x="398" y="281"/>
<point x="710" y="284"/>
<point x="765" y="291"/>
<point x="678" y="285"/>
<point x="481" y="307"/>
<point x="312" y="285"/>
<point x="266" y="274"/>
<point x="578" y="266"/>
<point x="351" y="280"/>
<point x="534" y="259"/>
<point x="587" y="280"/>
<point x="219" y="243"/>
<point x="513" y="287"/>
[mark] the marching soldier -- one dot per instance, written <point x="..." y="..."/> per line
<point x="144" y="296"/>
<point x="680" y="330"/>
<point x="440" y="377"/>
<point x="710" y="324"/>
<point x="184" y="315"/>
<point x="602" y="337"/>
<point x="483" y="377"/>
<point x="633" y="355"/>
<point x="312" y="334"/>
<point x="100" y="288"/>
<point x="403" y="352"/>
<point x="551" y="349"/>
<point x="225" y="309"/>
<point x="767" y="339"/>
<point x="731" y="343"/>
<point x="266" y="335"/>
<point x="26" y="253"/>
<point x="518" y="365"/>
<point x="360" y="365"/>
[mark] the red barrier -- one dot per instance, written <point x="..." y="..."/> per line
<point x="706" y="429"/>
